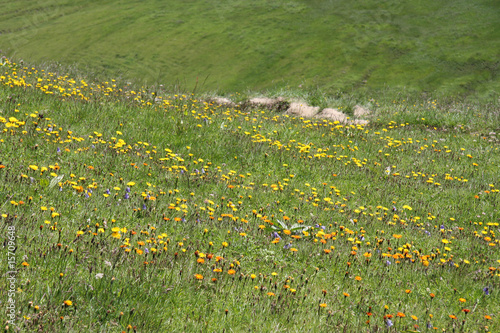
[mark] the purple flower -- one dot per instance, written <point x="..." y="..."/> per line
<point x="144" y="207"/>
<point x="388" y="263"/>
<point x="276" y="235"/>
<point x="127" y="196"/>
<point x="287" y="246"/>
<point x="427" y="233"/>
<point x="86" y="195"/>
<point x="388" y="323"/>
<point x="60" y="189"/>
<point x="58" y="149"/>
<point x="127" y="190"/>
<point x="429" y="325"/>
<point x="442" y="226"/>
<point x="486" y="290"/>
<point x="361" y="238"/>
<point x="108" y="191"/>
<point x="146" y="250"/>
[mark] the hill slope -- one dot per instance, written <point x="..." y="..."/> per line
<point x="450" y="46"/>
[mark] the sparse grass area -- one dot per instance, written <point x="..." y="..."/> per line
<point x="137" y="210"/>
<point x="349" y="47"/>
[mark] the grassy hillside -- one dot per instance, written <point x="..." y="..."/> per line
<point x="450" y="46"/>
<point x="127" y="210"/>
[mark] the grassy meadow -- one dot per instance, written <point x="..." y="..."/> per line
<point x="127" y="209"/>
<point x="450" y="47"/>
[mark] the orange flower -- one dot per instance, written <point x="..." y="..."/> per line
<point x="322" y="305"/>
<point x="231" y="272"/>
<point x="358" y="278"/>
<point x="452" y="316"/>
<point x="407" y="291"/>
<point x="198" y="277"/>
<point x="400" y="315"/>
<point x="346" y="295"/>
<point x="432" y="295"/>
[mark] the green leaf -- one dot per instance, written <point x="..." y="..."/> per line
<point x="44" y="182"/>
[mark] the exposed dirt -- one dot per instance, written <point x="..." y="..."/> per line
<point x="360" y="111"/>
<point x="300" y="109"/>
<point x="278" y="104"/>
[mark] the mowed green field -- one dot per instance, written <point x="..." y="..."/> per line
<point x="131" y="210"/>
<point x="446" y="47"/>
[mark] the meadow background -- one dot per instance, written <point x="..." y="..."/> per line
<point x="446" y="47"/>
<point x="139" y="203"/>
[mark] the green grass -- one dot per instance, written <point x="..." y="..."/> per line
<point x="447" y="48"/>
<point x="388" y="213"/>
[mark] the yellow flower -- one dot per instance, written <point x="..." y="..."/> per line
<point x="322" y="305"/>
<point x="68" y="303"/>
